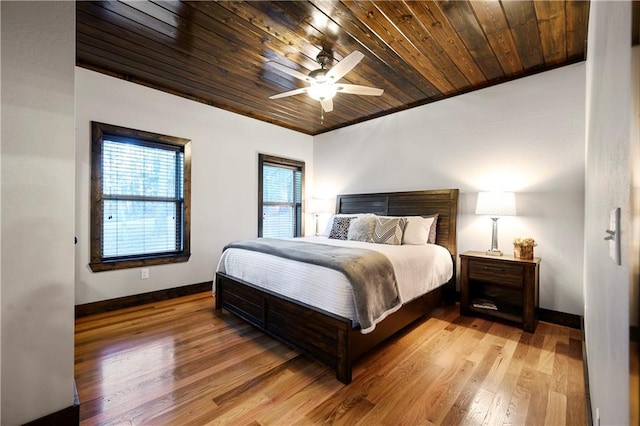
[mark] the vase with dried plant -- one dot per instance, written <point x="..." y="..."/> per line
<point x="523" y="247"/>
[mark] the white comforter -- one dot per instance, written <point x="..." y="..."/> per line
<point x="418" y="269"/>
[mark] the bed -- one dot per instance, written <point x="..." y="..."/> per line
<point x="325" y="336"/>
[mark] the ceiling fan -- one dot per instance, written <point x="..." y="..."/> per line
<point x="323" y="82"/>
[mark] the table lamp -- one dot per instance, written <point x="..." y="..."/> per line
<point x="496" y="204"/>
<point x="317" y="206"/>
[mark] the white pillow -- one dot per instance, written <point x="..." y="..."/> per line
<point x="416" y="232"/>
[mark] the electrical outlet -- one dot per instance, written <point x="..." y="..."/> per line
<point x="144" y="273"/>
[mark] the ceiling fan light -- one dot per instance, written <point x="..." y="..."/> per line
<point x="321" y="91"/>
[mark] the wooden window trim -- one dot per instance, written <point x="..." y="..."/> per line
<point x="279" y="161"/>
<point x="97" y="264"/>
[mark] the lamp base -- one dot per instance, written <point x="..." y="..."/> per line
<point x="493" y="251"/>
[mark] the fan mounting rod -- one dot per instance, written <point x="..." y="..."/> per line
<point x="323" y="58"/>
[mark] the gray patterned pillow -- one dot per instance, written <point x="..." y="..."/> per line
<point x="389" y="230"/>
<point x="361" y="228"/>
<point x="432" y="231"/>
<point x="340" y="227"/>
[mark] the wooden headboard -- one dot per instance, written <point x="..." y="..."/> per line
<point x="411" y="203"/>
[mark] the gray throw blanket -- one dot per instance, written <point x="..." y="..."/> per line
<point x="373" y="282"/>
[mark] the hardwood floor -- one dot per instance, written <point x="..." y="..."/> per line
<point x="181" y="362"/>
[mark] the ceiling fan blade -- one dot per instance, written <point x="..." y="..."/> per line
<point x="290" y="71"/>
<point x="356" y="89"/>
<point x="344" y="66"/>
<point x="327" y="105"/>
<point x="289" y="93"/>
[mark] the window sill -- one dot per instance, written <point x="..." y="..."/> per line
<point x="138" y="263"/>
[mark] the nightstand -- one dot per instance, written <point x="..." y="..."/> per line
<point x="500" y="286"/>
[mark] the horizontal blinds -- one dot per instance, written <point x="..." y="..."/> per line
<point x="278" y="221"/>
<point x="142" y="199"/>
<point x="278" y="184"/>
<point x="282" y="201"/>
<point x="138" y="170"/>
<point x="134" y="228"/>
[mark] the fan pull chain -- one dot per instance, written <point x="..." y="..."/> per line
<point x="321" y="114"/>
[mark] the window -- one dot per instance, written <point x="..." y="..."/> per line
<point x="280" y="193"/>
<point x="140" y="198"/>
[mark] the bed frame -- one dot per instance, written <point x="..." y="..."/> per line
<point x="329" y="338"/>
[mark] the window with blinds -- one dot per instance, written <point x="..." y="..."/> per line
<point x="281" y="183"/>
<point x="140" y="198"/>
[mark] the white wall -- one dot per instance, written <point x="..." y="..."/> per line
<point x="526" y="136"/>
<point x="0" y="218"/>
<point x="38" y="208"/>
<point x="634" y="252"/>
<point x="224" y="201"/>
<point x="608" y="183"/>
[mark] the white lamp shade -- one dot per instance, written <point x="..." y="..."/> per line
<point x="316" y="206"/>
<point x="496" y="203"/>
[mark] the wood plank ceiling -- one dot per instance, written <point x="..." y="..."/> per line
<point x="417" y="51"/>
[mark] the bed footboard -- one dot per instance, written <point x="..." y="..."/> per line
<point x="325" y="337"/>
<point x="321" y="335"/>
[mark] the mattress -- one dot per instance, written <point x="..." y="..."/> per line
<point x="418" y="270"/>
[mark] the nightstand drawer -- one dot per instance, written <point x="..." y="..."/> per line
<point x="496" y="272"/>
